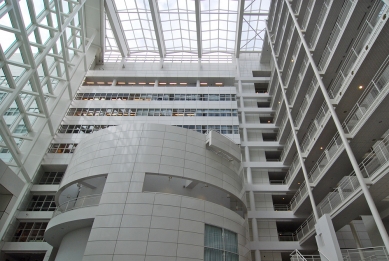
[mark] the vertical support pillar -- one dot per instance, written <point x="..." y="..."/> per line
<point x="257" y="255"/>
<point x="197" y="83"/>
<point x="254" y="226"/>
<point x="114" y="82"/>
<point x="156" y="83"/>
<point x="326" y="239"/>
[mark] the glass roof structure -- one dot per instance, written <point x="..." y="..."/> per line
<point x="185" y="27"/>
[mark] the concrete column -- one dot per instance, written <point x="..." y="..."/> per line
<point x="257" y="255"/>
<point x="254" y="226"/>
<point x="326" y="239"/>
<point x="198" y="83"/>
<point x="156" y="83"/>
<point x="372" y="230"/>
<point x="114" y="82"/>
<point x="356" y="239"/>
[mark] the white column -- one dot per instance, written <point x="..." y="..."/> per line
<point x="114" y="82"/>
<point x="326" y="239"/>
<point x="257" y="255"/>
<point x="156" y="83"/>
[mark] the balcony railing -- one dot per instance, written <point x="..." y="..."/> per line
<point x="279" y="42"/>
<point x="297" y="7"/>
<point x="273" y="84"/>
<point x="287" y="238"/>
<point x="306" y="228"/>
<point x="319" y="22"/>
<point x="282" y="126"/>
<point x="328" y="154"/>
<point x="278" y="109"/>
<point x="292" y="169"/>
<point x="366" y="34"/>
<point x="298" y="196"/>
<point x="349" y="184"/>
<point x="366" y="254"/>
<point x="281" y="207"/>
<point x="287" y="146"/>
<point x="310" y="136"/>
<point x="76" y="203"/>
<point x="307" y="14"/>
<point x="298" y="81"/>
<point x="376" y="90"/>
<point x="307" y="101"/>
<point x="336" y="33"/>
<point x="297" y="256"/>
<point x="286" y="48"/>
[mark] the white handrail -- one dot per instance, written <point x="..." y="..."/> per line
<point x="79" y="202"/>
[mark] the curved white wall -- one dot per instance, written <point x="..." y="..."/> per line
<point x="73" y="245"/>
<point x="135" y="225"/>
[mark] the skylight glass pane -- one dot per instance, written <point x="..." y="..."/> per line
<point x="110" y="42"/>
<point x="137" y="23"/>
<point x="218" y="24"/>
<point x="178" y="20"/>
<point x="253" y="33"/>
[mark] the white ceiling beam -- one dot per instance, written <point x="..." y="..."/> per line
<point x="198" y="28"/>
<point x="157" y="28"/>
<point x="117" y="29"/>
<point x="239" y="25"/>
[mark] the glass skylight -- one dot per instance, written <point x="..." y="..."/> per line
<point x="137" y="24"/>
<point x="176" y="27"/>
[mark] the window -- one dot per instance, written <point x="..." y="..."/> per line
<point x="62" y="148"/>
<point x="51" y="178"/>
<point x="154" y="97"/>
<point x="30" y="232"/>
<point x="42" y="203"/>
<point x="220" y="244"/>
<point x="81" y="128"/>
<point x="151" y="112"/>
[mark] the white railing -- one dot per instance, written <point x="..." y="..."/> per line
<point x="319" y="23"/>
<point x="278" y="109"/>
<point x="349" y="184"/>
<point x="298" y="81"/>
<point x="297" y="256"/>
<point x="364" y="36"/>
<point x="281" y="207"/>
<point x="292" y="169"/>
<point x="287" y="146"/>
<point x="76" y="203"/>
<point x="307" y="100"/>
<point x="336" y="33"/>
<point x="306" y="227"/>
<point x="286" y="48"/>
<point x="328" y="154"/>
<point x="287" y="238"/>
<point x="272" y="16"/>
<point x="307" y="14"/>
<point x="297" y="7"/>
<point x="282" y="126"/>
<point x="366" y="254"/>
<point x="300" y="194"/>
<point x="376" y="90"/>
<point x="273" y="85"/>
<point x="313" y="128"/>
<point x="279" y="42"/>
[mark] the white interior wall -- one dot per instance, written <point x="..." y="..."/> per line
<point x="73" y="245"/>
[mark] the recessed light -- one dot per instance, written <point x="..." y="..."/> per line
<point x="203" y="83"/>
<point x="292" y="60"/>
<point x="173" y="83"/>
<point x="100" y="82"/>
<point x="219" y="83"/>
<point x="132" y="83"/>
<point x="360" y="87"/>
<point x="268" y="121"/>
<point x="90" y="82"/>
<point x="162" y="83"/>
<point x="142" y="83"/>
<point x="151" y="83"/>
<point x="321" y="148"/>
<point x="183" y="83"/>
<point x="121" y="82"/>
<point x="298" y="183"/>
<point x="283" y="198"/>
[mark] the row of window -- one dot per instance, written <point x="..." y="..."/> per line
<point x="81" y="128"/>
<point x="15" y="111"/>
<point x="155" y="97"/>
<point x="223" y="129"/>
<point x="151" y="112"/>
<point x="62" y="147"/>
<point x="220" y="244"/>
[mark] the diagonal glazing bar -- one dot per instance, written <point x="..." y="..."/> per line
<point x="117" y="29"/>
<point x="239" y="26"/>
<point x="157" y="28"/>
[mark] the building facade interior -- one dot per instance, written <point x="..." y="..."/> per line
<point x="194" y="130"/>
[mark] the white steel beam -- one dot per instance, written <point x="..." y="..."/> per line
<point x="116" y="27"/>
<point x="239" y="26"/>
<point x="157" y="28"/>
<point x="198" y="28"/>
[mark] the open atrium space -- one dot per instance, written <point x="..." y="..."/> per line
<point x="194" y="130"/>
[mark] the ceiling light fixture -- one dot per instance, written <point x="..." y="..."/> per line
<point x="131" y="83"/>
<point x="360" y="87"/>
<point x="142" y="83"/>
<point x="162" y="83"/>
<point x="183" y="83"/>
<point x="173" y="83"/>
<point x="203" y="83"/>
<point x="219" y="83"/>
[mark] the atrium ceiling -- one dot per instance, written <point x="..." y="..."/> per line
<point x="193" y="28"/>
